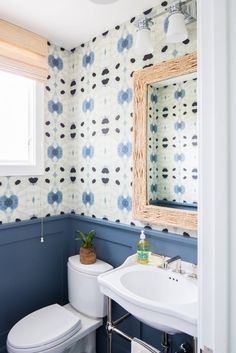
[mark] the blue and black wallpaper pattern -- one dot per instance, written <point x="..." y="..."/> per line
<point x="172" y="154"/>
<point x="29" y="197"/>
<point x="88" y="128"/>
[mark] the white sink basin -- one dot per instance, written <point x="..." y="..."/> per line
<point x="160" y="298"/>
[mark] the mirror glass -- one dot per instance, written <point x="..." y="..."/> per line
<point x="172" y="153"/>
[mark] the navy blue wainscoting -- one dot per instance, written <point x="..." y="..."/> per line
<point x="114" y="243"/>
<point x="32" y="274"/>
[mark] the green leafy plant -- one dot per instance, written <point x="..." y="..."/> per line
<point x="86" y="239"/>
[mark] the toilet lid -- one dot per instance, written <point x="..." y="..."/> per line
<point x="43" y="327"/>
<point x="94" y="269"/>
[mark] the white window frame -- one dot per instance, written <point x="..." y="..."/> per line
<point x="35" y="164"/>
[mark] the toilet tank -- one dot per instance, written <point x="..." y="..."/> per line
<point x="83" y="290"/>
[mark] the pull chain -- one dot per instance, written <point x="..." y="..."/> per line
<point x="42" y="232"/>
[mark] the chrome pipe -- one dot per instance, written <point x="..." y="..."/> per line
<point x="122" y="334"/>
<point x="121" y="319"/>
<point x="194" y="344"/>
<point x="165" y="343"/>
<point x="109" y="311"/>
<point x="109" y="325"/>
<point x="109" y="342"/>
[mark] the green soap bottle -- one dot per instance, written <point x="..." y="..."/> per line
<point x="143" y="249"/>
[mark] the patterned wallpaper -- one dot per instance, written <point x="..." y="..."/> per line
<point x="172" y="142"/>
<point x="30" y="197"/>
<point x="88" y="128"/>
<point x="103" y="106"/>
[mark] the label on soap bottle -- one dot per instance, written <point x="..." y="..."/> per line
<point x="143" y="256"/>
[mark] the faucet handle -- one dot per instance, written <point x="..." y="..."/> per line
<point x="194" y="272"/>
<point x="178" y="267"/>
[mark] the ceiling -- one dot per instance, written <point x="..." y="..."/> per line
<point x="69" y="23"/>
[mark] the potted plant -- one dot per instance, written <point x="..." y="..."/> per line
<point x="87" y="249"/>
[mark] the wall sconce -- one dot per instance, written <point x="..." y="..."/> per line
<point x="143" y="44"/>
<point x="176" y="28"/>
<point x="180" y="14"/>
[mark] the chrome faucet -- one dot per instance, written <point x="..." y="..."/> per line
<point x="169" y="261"/>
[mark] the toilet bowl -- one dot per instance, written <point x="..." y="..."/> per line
<point x="70" y="328"/>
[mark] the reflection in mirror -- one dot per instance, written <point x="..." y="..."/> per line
<point x="172" y="161"/>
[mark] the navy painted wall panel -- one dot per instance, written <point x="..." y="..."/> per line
<point x="34" y="274"/>
<point x="123" y="238"/>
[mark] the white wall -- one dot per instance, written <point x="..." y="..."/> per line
<point x="214" y="174"/>
<point x="232" y="160"/>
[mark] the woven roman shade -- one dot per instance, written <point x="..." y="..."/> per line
<point x="23" y="52"/>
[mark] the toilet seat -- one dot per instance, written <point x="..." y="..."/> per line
<point x="43" y="329"/>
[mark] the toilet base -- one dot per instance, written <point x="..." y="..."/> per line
<point x="86" y="336"/>
<point x="84" y="345"/>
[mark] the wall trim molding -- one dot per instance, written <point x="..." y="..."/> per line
<point x="29" y="229"/>
<point x="125" y="237"/>
<point x="168" y="237"/>
<point x="26" y="222"/>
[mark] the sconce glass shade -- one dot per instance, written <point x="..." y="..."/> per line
<point x="176" y="31"/>
<point x="143" y="43"/>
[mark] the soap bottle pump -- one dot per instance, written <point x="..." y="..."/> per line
<point x="143" y="250"/>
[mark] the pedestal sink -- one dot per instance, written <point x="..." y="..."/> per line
<point x="160" y="298"/>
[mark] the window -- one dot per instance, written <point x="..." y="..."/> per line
<point x="23" y="65"/>
<point x="21" y="125"/>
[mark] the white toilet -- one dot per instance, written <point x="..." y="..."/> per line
<point x="70" y="328"/>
